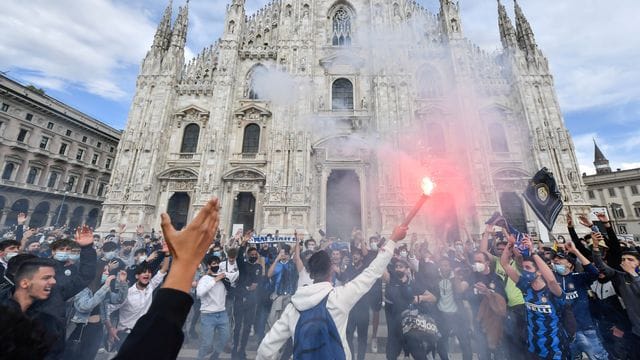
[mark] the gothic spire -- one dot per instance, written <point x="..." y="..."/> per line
<point x="179" y="35"/>
<point x="600" y="161"/>
<point x="507" y="32"/>
<point x="524" y="33"/>
<point x="163" y="33"/>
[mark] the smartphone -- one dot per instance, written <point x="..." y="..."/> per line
<point x="322" y="233"/>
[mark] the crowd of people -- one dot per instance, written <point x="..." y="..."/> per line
<point x="71" y="294"/>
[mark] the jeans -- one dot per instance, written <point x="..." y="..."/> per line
<point x="454" y="324"/>
<point x="213" y="326"/>
<point x="244" y="317"/>
<point x="89" y="342"/>
<point x="588" y="342"/>
<point x="358" y="320"/>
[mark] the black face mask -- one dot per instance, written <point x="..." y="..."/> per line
<point x="400" y="274"/>
<point x="253" y="259"/>
<point x="215" y="268"/>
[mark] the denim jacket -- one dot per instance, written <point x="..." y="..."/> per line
<point x="85" y="301"/>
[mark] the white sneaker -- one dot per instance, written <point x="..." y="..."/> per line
<point x="374" y="345"/>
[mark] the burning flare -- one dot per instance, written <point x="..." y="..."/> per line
<point x="427" y="186"/>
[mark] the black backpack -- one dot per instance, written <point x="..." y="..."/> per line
<point x="316" y="336"/>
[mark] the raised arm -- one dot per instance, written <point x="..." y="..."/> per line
<point x="505" y="260"/>
<point x="484" y="241"/>
<point x="544" y="269"/>
<point x="296" y="256"/>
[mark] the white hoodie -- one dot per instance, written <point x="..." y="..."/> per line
<point x="341" y="300"/>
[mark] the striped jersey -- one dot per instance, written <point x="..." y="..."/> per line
<point x="545" y="334"/>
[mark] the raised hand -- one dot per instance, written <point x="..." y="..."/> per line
<point x="569" y="246"/>
<point x="122" y="276"/>
<point x="109" y="280"/>
<point x="189" y="245"/>
<point x="597" y="238"/>
<point x="22" y="218"/>
<point x="569" y="220"/>
<point x="584" y="220"/>
<point x="113" y="264"/>
<point x="122" y="228"/>
<point x="84" y="235"/>
<point x="28" y="233"/>
<point x="140" y="230"/>
<point x="152" y="256"/>
<point x="602" y="217"/>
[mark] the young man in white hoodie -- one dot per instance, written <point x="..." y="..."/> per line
<point x="339" y="302"/>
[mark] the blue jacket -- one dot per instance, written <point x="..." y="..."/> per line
<point x="85" y="301"/>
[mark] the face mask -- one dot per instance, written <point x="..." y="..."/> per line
<point x="110" y="255"/>
<point x="311" y="247"/>
<point x="253" y="259"/>
<point x="217" y="253"/>
<point x="400" y="274"/>
<point x="61" y="256"/>
<point x="104" y="278"/>
<point x="478" y="267"/>
<point x="374" y="246"/>
<point x="141" y="259"/>
<point x="560" y="269"/>
<point x="404" y="253"/>
<point x="528" y="276"/>
<point x="10" y="255"/>
<point x="214" y="269"/>
<point x="74" y="257"/>
<point x="459" y="248"/>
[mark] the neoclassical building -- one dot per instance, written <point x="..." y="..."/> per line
<point x="55" y="160"/>
<point x="325" y="114"/>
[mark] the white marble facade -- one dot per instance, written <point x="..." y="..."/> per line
<point x="419" y="89"/>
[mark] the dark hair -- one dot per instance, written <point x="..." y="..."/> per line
<point x="253" y="248"/>
<point x="29" y="267"/>
<point x="286" y="248"/>
<point x="109" y="246"/>
<point x="319" y="266"/>
<point x="14" y="264"/>
<point x="632" y="253"/>
<point x="232" y="253"/>
<point x="212" y="259"/>
<point x="6" y="243"/>
<point x="140" y="251"/>
<point x="531" y="260"/>
<point x="355" y="250"/>
<point x="306" y="242"/>
<point x="142" y="268"/>
<point x="62" y="243"/>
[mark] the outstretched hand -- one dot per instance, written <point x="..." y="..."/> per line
<point x="84" y="235"/>
<point x="189" y="245"/>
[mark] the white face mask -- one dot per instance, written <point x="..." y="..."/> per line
<point x="311" y="247"/>
<point x="8" y="256"/>
<point x="478" y="267"/>
<point x="141" y="259"/>
<point x="404" y="253"/>
<point x="374" y="246"/>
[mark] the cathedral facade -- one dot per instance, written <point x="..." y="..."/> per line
<point x="323" y="115"/>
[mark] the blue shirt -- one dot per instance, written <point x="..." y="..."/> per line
<point x="544" y="315"/>
<point x="576" y="286"/>
<point x="285" y="278"/>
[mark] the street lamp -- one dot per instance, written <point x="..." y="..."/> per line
<point x="64" y="197"/>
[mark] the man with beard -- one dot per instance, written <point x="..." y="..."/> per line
<point x="138" y="301"/>
<point x="214" y="320"/>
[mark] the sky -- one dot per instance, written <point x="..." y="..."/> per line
<point x="87" y="53"/>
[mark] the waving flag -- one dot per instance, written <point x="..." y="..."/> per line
<point x="543" y="196"/>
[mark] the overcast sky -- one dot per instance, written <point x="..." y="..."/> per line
<point x="87" y="53"/>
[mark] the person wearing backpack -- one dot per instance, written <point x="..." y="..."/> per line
<point x="317" y="316"/>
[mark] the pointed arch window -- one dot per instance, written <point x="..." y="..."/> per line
<point x="255" y="80"/>
<point x="342" y="95"/>
<point x="341" y="27"/>
<point x="251" y="139"/>
<point x="498" y="138"/>
<point x="190" y="138"/>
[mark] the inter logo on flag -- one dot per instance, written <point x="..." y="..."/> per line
<point x="543" y="196"/>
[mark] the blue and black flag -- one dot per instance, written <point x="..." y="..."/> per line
<point x="543" y="196"/>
